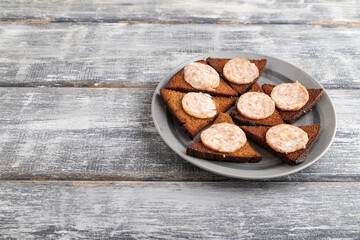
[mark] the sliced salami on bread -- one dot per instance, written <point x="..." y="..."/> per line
<point x="244" y="154"/>
<point x="192" y="125"/>
<point x="292" y="116"/>
<point x="219" y="63"/>
<point x="178" y="83"/>
<point x="258" y="135"/>
<point x="272" y="120"/>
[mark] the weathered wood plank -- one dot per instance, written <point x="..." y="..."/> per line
<point x="108" y="134"/>
<point x="118" y="55"/>
<point x="195" y="11"/>
<point x="133" y="210"/>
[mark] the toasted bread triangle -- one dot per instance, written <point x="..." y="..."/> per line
<point x="244" y="154"/>
<point x="219" y="63"/>
<point x="292" y="116"/>
<point x="272" y="120"/>
<point x="191" y="125"/>
<point x="178" y="83"/>
<point x="258" y="135"/>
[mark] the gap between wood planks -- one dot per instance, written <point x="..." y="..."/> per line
<point x="230" y="180"/>
<point x="91" y="177"/>
<point x="112" y="85"/>
<point x="176" y="21"/>
<point x="74" y="85"/>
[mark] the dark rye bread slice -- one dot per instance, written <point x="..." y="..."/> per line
<point x="274" y="119"/>
<point x="191" y="125"/>
<point x="258" y="135"/>
<point x="244" y="154"/>
<point x="292" y="116"/>
<point x="219" y="63"/>
<point x="178" y="83"/>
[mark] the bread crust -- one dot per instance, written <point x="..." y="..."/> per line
<point x="198" y="150"/>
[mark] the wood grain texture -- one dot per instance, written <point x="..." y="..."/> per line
<point x="124" y="49"/>
<point x="118" y="55"/>
<point x="108" y="134"/>
<point x="140" y="210"/>
<point x="176" y="11"/>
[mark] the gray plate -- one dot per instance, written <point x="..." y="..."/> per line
<point x="276" y="72"/>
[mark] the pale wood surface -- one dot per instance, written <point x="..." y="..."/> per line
<point x="86" y="133"/>
<point x="118" y="55"/>
<point x="55" y="124"/>
<point x="177" y="11"/>
<point x="143" y="210"/>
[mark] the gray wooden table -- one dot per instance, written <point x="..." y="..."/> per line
<point x="80" y="156"/>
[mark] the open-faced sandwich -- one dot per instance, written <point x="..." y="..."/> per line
<point x="224" y="141"/>
<point x="200" y="77"/>
<point x="256" y="108"/>
<point x="194" y="110"/>
<point x="290" y="143"/>
<point x="293" y="100"/>
<point x="240" y="73"/>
